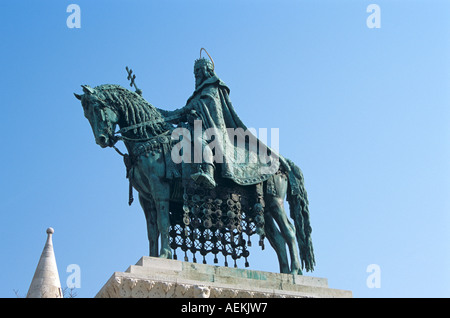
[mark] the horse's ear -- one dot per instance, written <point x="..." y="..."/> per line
<point x="78" y="96"/>
<point x="87" y="89"/>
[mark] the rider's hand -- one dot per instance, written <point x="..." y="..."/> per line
<point x="192" y="116"/>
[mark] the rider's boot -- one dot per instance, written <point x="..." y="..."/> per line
<point x="205" y="175"/>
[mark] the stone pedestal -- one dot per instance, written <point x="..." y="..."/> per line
<point x="162" y="278"/>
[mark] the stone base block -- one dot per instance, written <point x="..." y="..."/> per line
<point x="162" y="278"/>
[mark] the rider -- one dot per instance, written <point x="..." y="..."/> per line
<point x="210" y="103"/>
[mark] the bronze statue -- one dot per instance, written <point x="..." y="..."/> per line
<point x="211" y="202"/>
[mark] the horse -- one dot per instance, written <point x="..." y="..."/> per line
<point x="146" y="135"/>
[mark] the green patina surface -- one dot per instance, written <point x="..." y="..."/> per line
<point x="174" y="218"/>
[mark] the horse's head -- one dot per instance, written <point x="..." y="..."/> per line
<point x="102" y="117"/>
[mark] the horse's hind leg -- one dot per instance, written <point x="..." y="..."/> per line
<point x="277" y="242"/>
<point x="149" y="208"/>
<point x="275" y="203"/>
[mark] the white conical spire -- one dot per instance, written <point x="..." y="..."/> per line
<point x="45" y="283"/>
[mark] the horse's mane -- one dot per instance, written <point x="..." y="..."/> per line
<point x="135" y="110"/>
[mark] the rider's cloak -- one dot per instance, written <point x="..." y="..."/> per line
<point x="241" y="156"/>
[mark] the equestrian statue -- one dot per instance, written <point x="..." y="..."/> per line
<point x="206" y="184"/>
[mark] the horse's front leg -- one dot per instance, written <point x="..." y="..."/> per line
<point x="149" y="208"/>
<point x="162" y="205"/>
<point x="161" y="195"/>
<point x="151" y="174"/>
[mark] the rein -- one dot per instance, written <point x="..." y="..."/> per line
<point x="146" y="123"/>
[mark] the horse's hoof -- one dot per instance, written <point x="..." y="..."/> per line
<point x="297" y="272"/>
<point x="285" y="270"/>
<point x="165" y="254"/>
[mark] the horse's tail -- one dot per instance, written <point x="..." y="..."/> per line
<point x="298" y="205"/>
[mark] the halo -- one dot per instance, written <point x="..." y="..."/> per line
<point x="212" y="61"/>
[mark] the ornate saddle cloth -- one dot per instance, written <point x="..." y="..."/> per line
<point x="217" y="221"/>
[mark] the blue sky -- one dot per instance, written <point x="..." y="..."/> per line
<point x="364" y="113"/>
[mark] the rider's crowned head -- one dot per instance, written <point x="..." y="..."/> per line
<point x="203" y="69"/>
